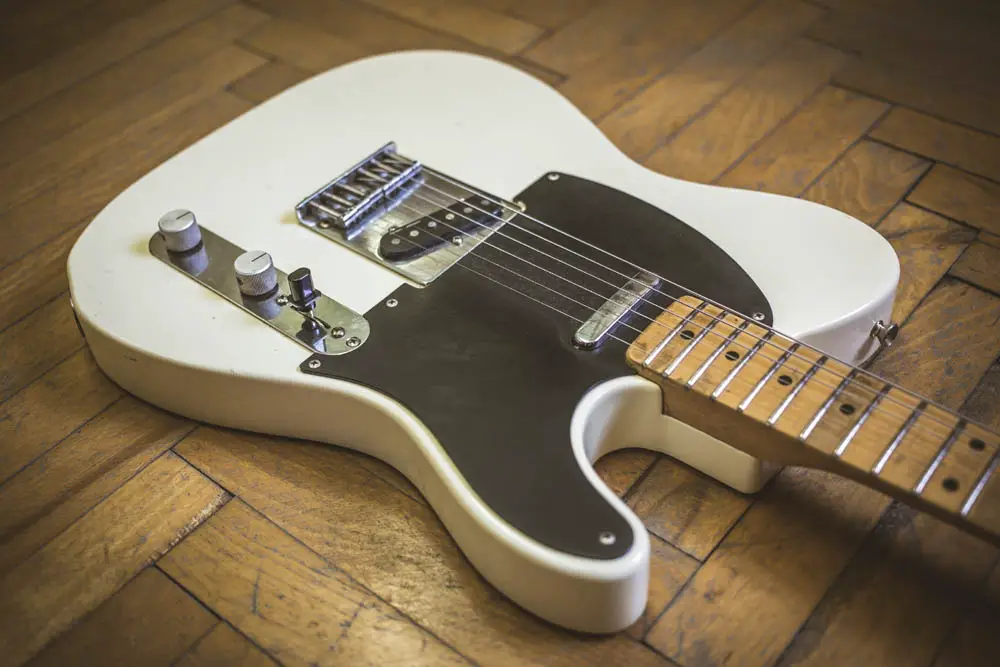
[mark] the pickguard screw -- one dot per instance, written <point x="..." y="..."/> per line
<point x="457" y="240"/>
<point x="759" y="317"/>
<point x="337" y="332"/>
<point x="607" y="538"/>
<point x="391" y="303"/>
<point x="553" y="177"/>
<point x="324" y="224"/>
<point x="521" y="205"/>
<point x="353" y="341"/>
<point x="282" y="300"/>
<point x="314" y="364"/>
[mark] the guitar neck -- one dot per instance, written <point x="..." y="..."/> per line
<point x="785" y="402"/>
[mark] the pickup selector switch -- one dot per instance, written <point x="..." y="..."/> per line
<point x="301" y="291"/>
<point x="180" y="230"/>
<point x="255" y="273"/>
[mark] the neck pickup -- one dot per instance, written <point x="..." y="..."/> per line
<point x="785" y="402"/>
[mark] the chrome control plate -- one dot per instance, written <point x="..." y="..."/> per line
<point x="331" y="328"/>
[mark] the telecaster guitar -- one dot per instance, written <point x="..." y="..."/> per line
<point x="435" y="259"/>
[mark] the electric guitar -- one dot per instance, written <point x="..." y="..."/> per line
<point x="435" y="259"/>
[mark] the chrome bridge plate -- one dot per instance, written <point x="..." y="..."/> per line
<point x="409" y="192"/>
<point x="333" y="328"/>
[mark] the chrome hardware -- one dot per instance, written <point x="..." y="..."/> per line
<point x="180" y="230"/>
<point x="759" y="317"/>
<point x="391" y="303"/>
<point x="607" y="538"/>
<point x="599" y="325"/>
<point x="316" y="330"/>
<point x="884" y="333"/>
<point x="403" y="201"/>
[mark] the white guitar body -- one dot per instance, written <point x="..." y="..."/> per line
<point x="168" y="340"/>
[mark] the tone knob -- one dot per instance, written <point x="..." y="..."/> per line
<point x="180" y="230"/>
<point x="255" y="273"/>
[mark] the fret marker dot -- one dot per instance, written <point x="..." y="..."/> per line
<point x="847" y="409"/>
<point x="977" y="444"/>
<point x="687" y="334"/>
<point x="732" y="355"/>
<point x="785" y="380"/>
<point x="950" y="484"/>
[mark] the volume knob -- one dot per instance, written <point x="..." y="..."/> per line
<point x="255" y="273"/>
<point x="180" y="230"/>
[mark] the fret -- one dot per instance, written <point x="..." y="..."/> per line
<point x="659" y="347"/>
<point x="807" y="431"/>
<point x="903" y="430"/>
<point x="743" y="362"/>
<point x="981" y="483"/>
<point x="693" y="344"/>
<point x="943" y="452"/>
<point x="776" y="415"/>
<point x="845" y="443"/>
<point x="767" y="376"/>
<point x="715" y="354"/>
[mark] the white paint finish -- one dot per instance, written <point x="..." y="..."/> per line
<point x="168" y="340"/>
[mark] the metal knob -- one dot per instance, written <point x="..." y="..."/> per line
<point x="255" y="273"/>
<point x="180" y="230"/>
<point x="301" y="291"/>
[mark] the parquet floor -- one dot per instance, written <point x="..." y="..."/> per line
<point x="129" y="536"/>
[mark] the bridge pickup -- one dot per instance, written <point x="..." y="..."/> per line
<point x="599" y="326"/>
<point x="443" y="227"/>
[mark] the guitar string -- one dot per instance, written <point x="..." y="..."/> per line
<point x="707" y="328"/>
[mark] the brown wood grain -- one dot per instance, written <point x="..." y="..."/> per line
<point x="956" y="194"/>
<point x="974" y="641"/>
<point x="703" y="150"/>
<point x="669" y="569"/>
<point x="225" y="646"/>
<point x="291" y="602"/>
<point x="51" y="408"/>
<point x="35" y="279"/>
<point x="939" y="140"/>
<point x="150" y="622"/>
<point x="980" y="263"/>
<point x="68" y="480"/>
<point x="620" y="470"/>
<point x="926" y="245"/>
<point x="867" y="181"/>
<point x="983" y="404"/>
<point x="551" y="14"/>
<point x="787" y="161"/>
<point x="648" y="120"/>
<point x="267" y="81"/>
<point x="394" y="545"/>
<point x="98" y="554"/>
<point x="36" y="344"/>
<point x="118" y="41"/>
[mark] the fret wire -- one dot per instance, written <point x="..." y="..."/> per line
<point x="763" y="381"/>
<point x="772" y="420"/>
<point x="746" y="358"/>
<point x="692" y="345"/>
<point x="932" y="468"/>
<point x="900" y="435"/>
<point x="981" y="484"/>
<point x="676" y="330"/>
<point x="715" y="355"/>
<point x="807" y="431"/>
<point x="842" y="447"/>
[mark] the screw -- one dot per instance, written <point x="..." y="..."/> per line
<point x="607" y="538"/>
<point x="353" y="341"/>
<point x="466" y="210"/>
<point x="282" y="300"/>
<point x="457" y="240"/>
<point x="394" y="241"/>
<point x="337" y="332"/>
<point x="414" y="233"/>
<point x="391" y="303"/>
<point x="759" y="317"/>
<point x="521" y="205"/>
<point x="314" y="364"/>
<point x="450" y="216"/>
<point x="323" y="224"/>
<point x="555" y="177"/>
<point x="431" y="224"/>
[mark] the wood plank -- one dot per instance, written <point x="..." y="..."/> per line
<point x="980" y="263"/>
<point x="74" y="106"/>
<point x="664" y="37"/>
<point x="551" y="14"/>
<point x="36" y="344"/>
<point x="50" y="409"/>
<point x="328" y="499"/>
<point x="926" y="245"/>
<point x="974" y="641"/>
<point x="899" y="597"/>
<point x="669" y="569"/>
<point x="289" y="601"/>
<point x="962" y="196"/>
<point x="703" y="150"/>
<point x="101" y="552"/>
<point x="950" y="342"/>
<point x="225" y="646"/>
<point x="789" y="160"/>
<point x="74" y="476"/>
<point x="655" y="114"/>
<point x="54" y="164"/>
<point x="150" y="622"/>
<point x="267" y="81"/>
<point x="54" y="211"/>
<point x="35" y="279"/>
<point x="621" y="469"/>
<point x="870" y="179"/>
<point x="983" y="405"/>
<point x="119" y="41"/>
<point x="942" y="141"/>
<point x="469" y="22"/>
<point x="303" y="46"/>
<point x="685" y="508"/>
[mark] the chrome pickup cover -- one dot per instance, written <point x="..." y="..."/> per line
<point x="393" y="193"/>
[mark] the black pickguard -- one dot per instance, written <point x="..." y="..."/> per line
<point x="494" y="375"/>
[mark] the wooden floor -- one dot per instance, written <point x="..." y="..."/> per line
<point x="129" y="536"/>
